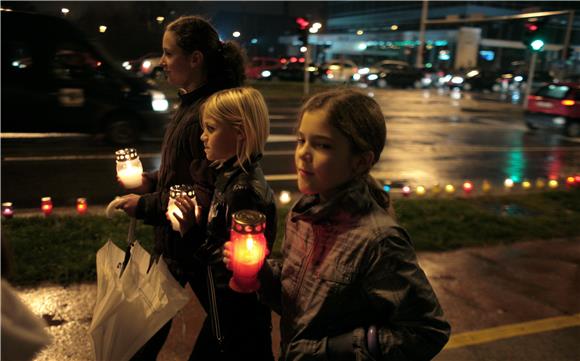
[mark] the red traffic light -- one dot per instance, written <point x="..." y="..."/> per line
<point x="302" y="23"/>
<point x="532" y="27"/>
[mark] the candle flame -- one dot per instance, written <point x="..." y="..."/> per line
<point x="250" y="243"/>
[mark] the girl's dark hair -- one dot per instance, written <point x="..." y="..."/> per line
<point x="224" y="61"/>
<point x="360" y="119"/>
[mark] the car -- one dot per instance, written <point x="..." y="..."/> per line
<point x="393" y="73"/>
<point x="339" y="70"/>
<point x="472" y="79"/>
<point x="55" y="80"/>
<point x="556" y="105"/>
<point x="512" y="81"/>
<point x="262" y="68"/>
<point x="295" y="72"/>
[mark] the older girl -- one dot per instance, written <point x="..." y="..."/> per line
<point x="348" y="286"/>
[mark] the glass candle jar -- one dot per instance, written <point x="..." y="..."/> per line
<point x="179" y="190"/>
<point x="248" y="250"/>
<point x="7" y="210"/>
<point x="129" y="168"/>
<point x="46" y="205"/>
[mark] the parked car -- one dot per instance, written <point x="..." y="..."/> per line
<point x="556" y="105"/>
<point x="262" y="68"/>
<point x="339" y="70"/>
<point x="295" y="72"/>
<point x="393" y="73"/>
<point x="517" y="81"/>
<point x="54" y="80"/>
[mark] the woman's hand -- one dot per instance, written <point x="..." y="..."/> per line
<point x="190" y="213"/>
<point x="228" y="254"/>
<point x="129" y="203"/>
<point x="145" y="187"/>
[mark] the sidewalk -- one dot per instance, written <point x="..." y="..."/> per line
<point x="478" y="288"/>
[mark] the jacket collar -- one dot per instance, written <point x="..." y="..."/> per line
<point x="193" y="96"/>
<point x="229" y="170"/>
<point x="353" y="198"/>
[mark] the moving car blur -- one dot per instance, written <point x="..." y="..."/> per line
<point x="556" y="105"/>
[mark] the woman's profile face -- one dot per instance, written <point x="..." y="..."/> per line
<point x="176" y="64"/>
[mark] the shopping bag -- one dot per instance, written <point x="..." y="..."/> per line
<point x="134" y="299"/>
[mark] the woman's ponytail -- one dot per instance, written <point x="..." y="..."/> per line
<point x="231" y="73"/>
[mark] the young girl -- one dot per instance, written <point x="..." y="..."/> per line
<point x="235" y="128"/>
<point x="348" y="286"/>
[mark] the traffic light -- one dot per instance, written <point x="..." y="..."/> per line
<point x="303" y="24"/>
<point x="534" y="35"/>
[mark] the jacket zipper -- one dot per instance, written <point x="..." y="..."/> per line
<point x="303" y="270"/>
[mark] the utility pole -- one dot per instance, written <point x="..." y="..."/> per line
<point x="306" y="72"/>
<point x="567" y="36"/>
<point x="530" y="78"/>
<point x="419" y="60"/>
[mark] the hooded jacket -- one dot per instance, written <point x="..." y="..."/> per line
<point x="346" y="266"/>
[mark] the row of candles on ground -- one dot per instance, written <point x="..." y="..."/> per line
<point x="468" y="186"/>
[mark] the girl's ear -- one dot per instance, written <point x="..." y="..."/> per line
<point x="196" y="59"/>
<point x="363" y="162"/>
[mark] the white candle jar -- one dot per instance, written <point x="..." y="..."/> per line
<point x="129" y="168"/>
<point x="178" y="190"/>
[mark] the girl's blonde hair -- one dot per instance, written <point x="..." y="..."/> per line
<point x="245" y="109"/>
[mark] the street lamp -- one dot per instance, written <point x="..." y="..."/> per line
<point x="359" y="32"/>
<point x="102" y="28"/>
<point x="236" y="34"/>
<point x="65" y="11"/>
<point x="160" y="19"/>
<point x="394" y="27"/>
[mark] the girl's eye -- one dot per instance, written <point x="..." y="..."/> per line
<point x="322" y="146"/>
<point x="299" y="140"/>
<point x="209" y="128"/>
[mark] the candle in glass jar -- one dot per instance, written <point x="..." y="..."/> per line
<point x="129" y="167"/>
<point x="175" y="191"/>
<point x="7" y="210"/>
<point x="248" y="250"/>
<point x="46" y="205"/>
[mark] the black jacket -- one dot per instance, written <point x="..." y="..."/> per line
<point x="183" y="161"/>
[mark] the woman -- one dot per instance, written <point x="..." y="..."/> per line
<point x="196" y="61"/>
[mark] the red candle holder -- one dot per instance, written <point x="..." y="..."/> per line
<point x="46" y="205"/>
<point x="248" y="250"/>
<point x="82" y="205"/>
<point x="7" y="210"/>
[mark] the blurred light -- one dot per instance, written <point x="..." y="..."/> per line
<point x="449" y="188"/>
<point x="577" y="178"/>
<point x="330" y="76"/>
<point x="467" y="187"/>
<point x="486" y="186"/>
<point x="363" y="71"/>
<point x="146" y="65"/>
<point x="518" y="78"/>
<point x="457" y="80"/>
<point x="102" y="28"/>
<point x="526" y="184"/>
<point x="359" y="32"/>
<point x="429" y="47"/>
<point x="421" y="190"/>
<point x="313" y="30"/>
<point x="64" y="11"/>
<point x="283" y="61"/>
<point x="265" y="73"/>
<point x="537" y="44"/>
<point x="394" y="27"/>
<point x="254" y="41"/>
<point x="387" y="188"/>
<point x="236" y="34"/>
<point x="312" y="68"/>
<point x="406" y="191"/>
<point x="285" y="197"/>
<point x="428" y="65"/>
<point x="7" y="210"/>
<point x="46" y="205"/>
<point x="81" y="205"/>
<point x="317" y="25"/>
<point x="127" y="65"/>
<point x="472" y="73"/>
<point x="293" y="59"/>
<point x="540" y="183"/>
<point x="356" y="77"/>
<point x="303" y="49"/>
<point x="301" y="60"/>
<point x="160" y="19"/>
<point x="444" y="55"/>
<point x="508" y="183"/>
<point x="568" y="102"/>
<point x="570" y="181"/>
<point x="372" y="77"/>
<point x="159" y="103"/>
<point x="553" y="184"/>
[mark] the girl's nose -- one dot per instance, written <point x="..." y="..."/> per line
<point x="303" y="153"/>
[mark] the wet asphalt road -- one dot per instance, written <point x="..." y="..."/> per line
<point x="433" y="137"/>
<point x="479" y="289"/>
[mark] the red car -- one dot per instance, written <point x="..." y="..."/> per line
<point x="555" y="105"/>
<point x="262" y="68"/>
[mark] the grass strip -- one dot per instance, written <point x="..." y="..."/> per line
<point x="62" y="249"/>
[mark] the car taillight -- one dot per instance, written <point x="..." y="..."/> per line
<point x="328" y="71"/>
<point x="568" y="102"/>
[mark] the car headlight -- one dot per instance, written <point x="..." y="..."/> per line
<point x="266" y="74"/>
<point x="356" y="76"/>
<point x="457" y="80"/>
<point x="158" y="101"/>
<point x="372" y="77"/>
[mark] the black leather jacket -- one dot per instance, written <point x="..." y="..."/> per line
<point x="235" y="189"/>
